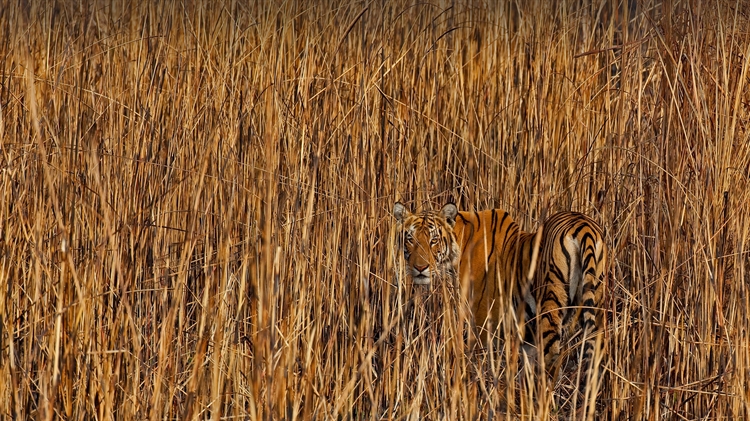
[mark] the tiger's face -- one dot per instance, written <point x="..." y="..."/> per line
<point x="428" y="242"/>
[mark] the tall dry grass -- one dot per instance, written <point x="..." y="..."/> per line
<point x="195" y="217"/>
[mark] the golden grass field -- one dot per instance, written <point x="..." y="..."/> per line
<point x="196" y="217"/>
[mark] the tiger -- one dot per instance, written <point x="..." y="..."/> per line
<point x="482" y="249"/>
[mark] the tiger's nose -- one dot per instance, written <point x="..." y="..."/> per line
<point x="420" y="268"/>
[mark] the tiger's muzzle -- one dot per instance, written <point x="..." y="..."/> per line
<point x="421" y="275"/>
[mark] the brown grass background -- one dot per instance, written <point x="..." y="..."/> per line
<point x="196" y="201"/>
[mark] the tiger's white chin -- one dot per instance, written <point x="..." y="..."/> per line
<point x="421" y="280"/>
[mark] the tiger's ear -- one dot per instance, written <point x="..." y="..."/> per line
<point x="449" y="212"/>
<point x="400" y="212"/>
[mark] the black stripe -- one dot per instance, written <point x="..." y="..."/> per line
<point x="493" y="227"/>
<point x="550" y="296"/>
<point x="551" y="343"/>
<point x="484" y="287"/>
<point x="579" y="228"/>
<point x="564" y="250"/>
<point x="548" y="317"/>
<point x="468" y="225"/>
<point x="587" y="259"/>
<point x="588" y="346"/>
<point x="587" y="236"/>
<point x="585" y="324"/>
<point x="508" y="231"/>
<point x="556" y="271"/>
<point x="548" y="333"/>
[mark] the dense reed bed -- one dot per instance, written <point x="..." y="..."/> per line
<point x="196" y="202"/>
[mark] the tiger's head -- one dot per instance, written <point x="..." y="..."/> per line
<point x="428" y="242"/>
